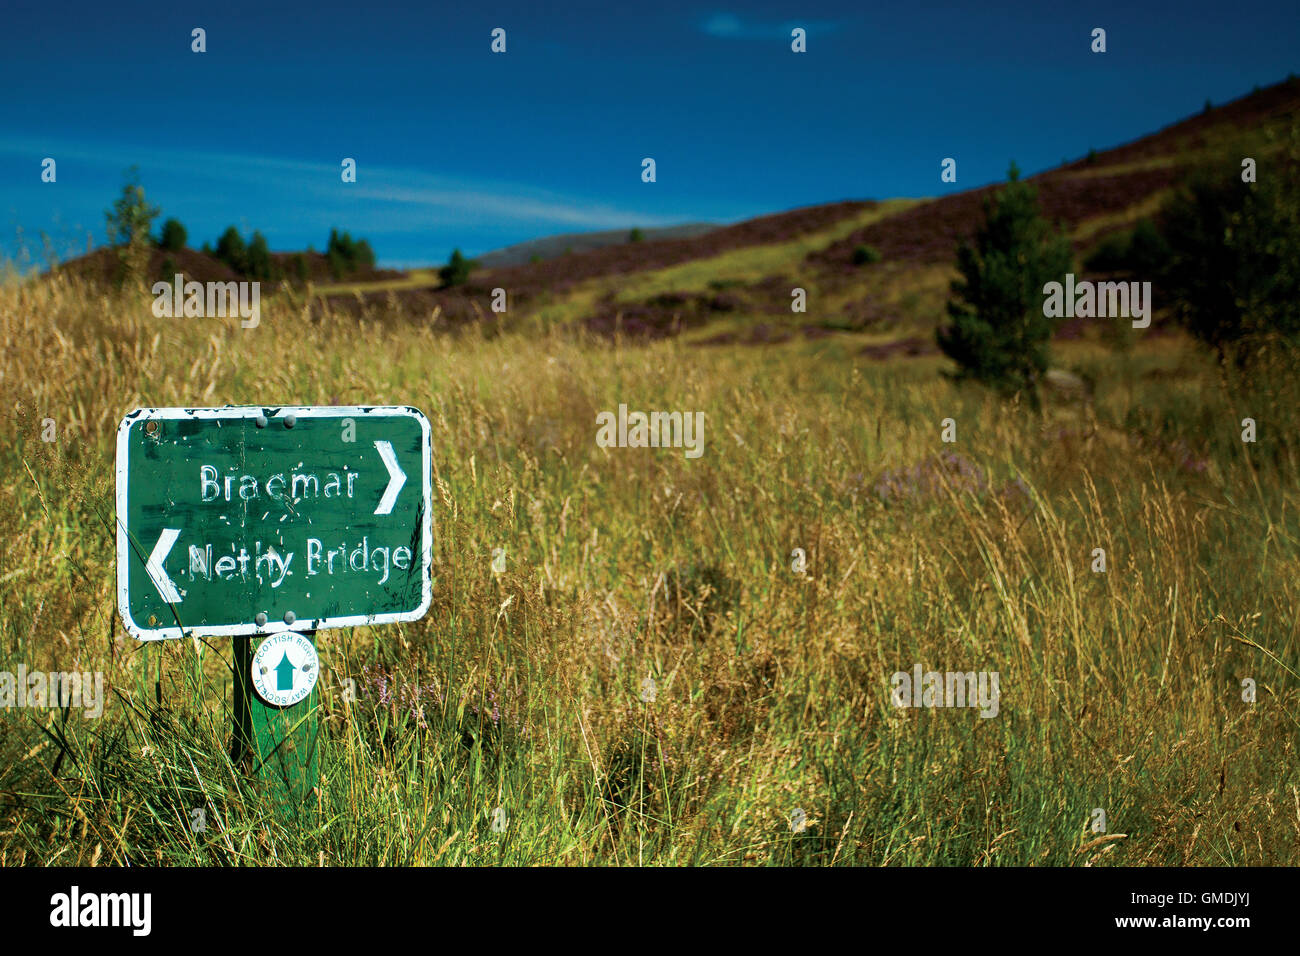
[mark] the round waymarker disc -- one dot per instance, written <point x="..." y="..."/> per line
<point x="285" y="667"/>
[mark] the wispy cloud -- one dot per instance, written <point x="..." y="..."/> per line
<point x="415" y="196"/>
<point x="505" y="203"/>
<point x="729" y="26"/>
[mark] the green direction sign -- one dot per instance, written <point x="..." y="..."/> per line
<point x="251" y="520"/>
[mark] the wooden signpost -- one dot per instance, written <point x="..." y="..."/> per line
<point x="273" y="523"/>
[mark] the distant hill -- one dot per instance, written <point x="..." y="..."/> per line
<point x="552" y="247"/>
<point x="737" y="279"/>
<point x="101" y="263"/>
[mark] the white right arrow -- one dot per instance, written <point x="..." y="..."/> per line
<point x="165" y="585"/>
<point x="396" y="478"/>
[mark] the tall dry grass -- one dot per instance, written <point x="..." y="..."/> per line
<point x="1120" y="691"/>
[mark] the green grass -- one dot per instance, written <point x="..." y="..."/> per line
<point x="751" y="263"/>
<point x="415" y="279"/>
<point x="1120" y="691"/>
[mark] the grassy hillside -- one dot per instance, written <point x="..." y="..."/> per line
<point x="550" y="247"/>
<point x="1120" y="691"/>
<point x="736" y="280"/>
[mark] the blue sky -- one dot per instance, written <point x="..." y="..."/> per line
<point x="457" y="146"/>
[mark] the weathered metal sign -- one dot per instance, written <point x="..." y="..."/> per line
<point x="252" y="520"/>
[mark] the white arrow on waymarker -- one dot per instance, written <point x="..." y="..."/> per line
<point x="396" y="478"/>
<point x="165" y="585"/>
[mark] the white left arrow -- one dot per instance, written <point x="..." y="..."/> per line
<point x="165" y="585"/>
<point x="396" y="478"/>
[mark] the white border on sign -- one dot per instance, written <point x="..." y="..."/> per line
<point x="272" y="412"/>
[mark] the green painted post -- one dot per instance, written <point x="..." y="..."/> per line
<point x="277" y="744"/>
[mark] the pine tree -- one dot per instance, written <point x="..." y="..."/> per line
<point x="129" y="222"/>
<point x="232" y="251"/>
<point x="131" y="217"/>
<point x="1234" y="274"/>
<point x="173" y="236"/>
<point x="347" y="255"/>
<point x="998" y="334"/>
<point x="260" y="264"/>
<point x="365" y="256"/>
<point x="457" y="269"/>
